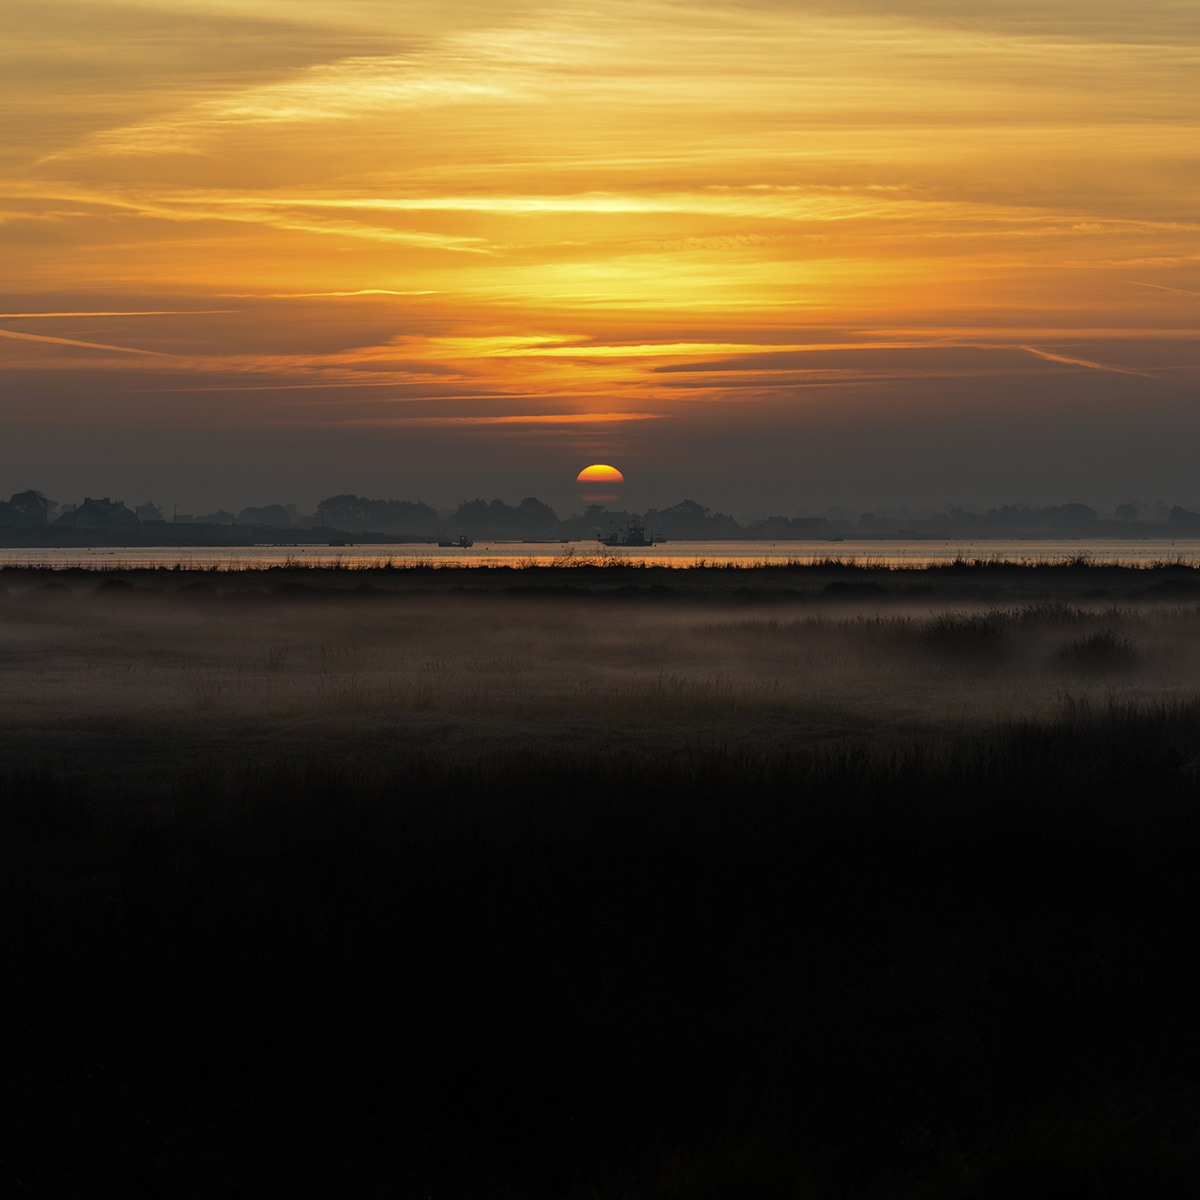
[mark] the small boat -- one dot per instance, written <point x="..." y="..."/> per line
<point x="634" y="534"/>
<point x="459" y="543"/>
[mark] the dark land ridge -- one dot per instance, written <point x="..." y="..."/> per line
<point x="601" y="882"/>
<point x="29" y="519"/>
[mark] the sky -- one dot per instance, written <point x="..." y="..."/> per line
<point x="769" y="255"/>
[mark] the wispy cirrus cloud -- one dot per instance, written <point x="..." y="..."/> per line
<point x="588" y="418"/>
<point x="338" y="91"/>
<point x="283" y="217"/>
<point x="324" y="295"/>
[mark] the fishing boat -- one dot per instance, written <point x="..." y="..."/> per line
<point x="634" y="534"/>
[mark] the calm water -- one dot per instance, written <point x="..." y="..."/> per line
<point x="671" y="554"/>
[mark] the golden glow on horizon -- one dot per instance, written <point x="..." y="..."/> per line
<point x="594" y="217"/>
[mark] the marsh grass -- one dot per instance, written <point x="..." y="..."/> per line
<point x="873" y="973"/>
<point x="966" y="635"/>
<point x="1183" y="569"/>
<point x="1104" y="652"/>
<point x="628" y="898"/>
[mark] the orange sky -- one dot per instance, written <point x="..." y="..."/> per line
<point x="765" y="254"/>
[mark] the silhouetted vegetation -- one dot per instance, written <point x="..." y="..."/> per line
<point x="904" y="974"/>
<point x="356" y="514"/>
<point x="1102" y="652"/>
<point x="977" y="635"/>
<point x="532" y="520"/>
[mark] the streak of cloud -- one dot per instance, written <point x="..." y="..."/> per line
<point x="58" y="341"/>
<point x="1084" y="362"/>
<point x="157" y="312"/>
<point x="322" y="295"/>
<point x="336" y="91"/>
<point x="352" y="229"/>
<point x="591" y="418"/>
<point x="1162" y="287"/>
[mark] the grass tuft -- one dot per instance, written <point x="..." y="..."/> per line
<point x="1102" y="653"/>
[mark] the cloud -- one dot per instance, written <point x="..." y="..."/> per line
<point x="337" y="91"/>
<point x="552" y="347"/>
<point x="1084" y="362"/>
<point x="766" y="202"/>
<point x="321" y="295"/>
<point x="590" y="418"/>
<point x="1162" y="287"/>
<point x="278" y="217"/>
<point x="157" y="312"/>
<point x="37" y="337"/>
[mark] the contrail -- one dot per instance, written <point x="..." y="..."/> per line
<point x="38" y="337"/>
<point x="1084" y="362"/>
<point x="1162" y="287"/>
<point x="154" y="312"/>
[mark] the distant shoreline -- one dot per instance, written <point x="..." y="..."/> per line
<point x="83" y="539"/>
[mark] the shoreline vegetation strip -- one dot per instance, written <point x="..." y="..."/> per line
<point x="612" y="564"/>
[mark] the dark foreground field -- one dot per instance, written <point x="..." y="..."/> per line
<point x="600" y="891"/>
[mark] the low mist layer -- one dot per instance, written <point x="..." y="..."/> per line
<point x="113" y="672"/>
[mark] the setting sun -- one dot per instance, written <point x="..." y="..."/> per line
<point x="600" y="484"/>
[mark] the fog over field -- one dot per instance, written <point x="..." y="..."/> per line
<point x="378" y="679"/>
